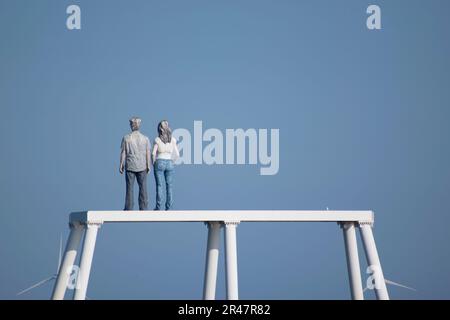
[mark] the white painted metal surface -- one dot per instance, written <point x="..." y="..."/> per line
<point x="90" y="221"/>
<point x="86" y="261"/>
<point x="373" y="261"/>
<point x="76" y="231"/>
<point x="231" y="268"/>
<point x="212" y="260"/>
<point x="222" y="215"/>
<point x="351" y="252"/>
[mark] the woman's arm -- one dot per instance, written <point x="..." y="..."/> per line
<point x="155" y="149"/>
<point x="147" y="155"/>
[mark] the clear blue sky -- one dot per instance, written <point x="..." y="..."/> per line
<point x="363" y="118"/>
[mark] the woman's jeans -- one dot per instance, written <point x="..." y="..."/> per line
<point x="163" y="170"/>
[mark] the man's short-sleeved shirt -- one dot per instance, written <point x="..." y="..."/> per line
<point x="136" y="146"/>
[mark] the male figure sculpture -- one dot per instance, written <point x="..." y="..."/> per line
<point x="135" y="161"/>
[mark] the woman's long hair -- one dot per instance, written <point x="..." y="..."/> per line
<point x="165" y="134"/>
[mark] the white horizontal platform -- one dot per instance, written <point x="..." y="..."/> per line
<point x="223" y="215"/>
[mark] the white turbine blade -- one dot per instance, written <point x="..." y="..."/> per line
<point x="36" y="285"/>
<point x="398" y="285"/>
<point x="60" y="254"/>
<point x="394" y="284"/>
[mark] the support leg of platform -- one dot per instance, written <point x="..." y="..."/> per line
<point x="231" y="260"/>
<point x="374" y="261"/>
<point x="212" y="259"/>
<point x="86" y="260"/>
<point x="70" y="254"/>
<point x="351" y="252"/>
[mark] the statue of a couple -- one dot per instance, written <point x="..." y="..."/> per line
<point x="136" y="161"/>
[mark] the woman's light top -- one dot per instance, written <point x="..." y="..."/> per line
<point x="168" y="151"/>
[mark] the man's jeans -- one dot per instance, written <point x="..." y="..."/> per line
<point x="163" y="170"/>
<point x="142" y="182"/>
